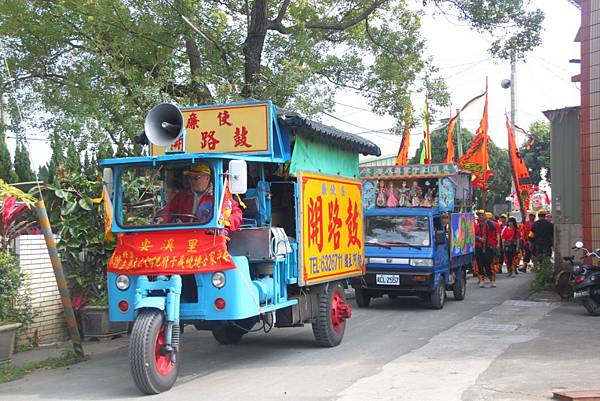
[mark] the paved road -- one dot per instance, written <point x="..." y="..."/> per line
<point x="396" y="349"/>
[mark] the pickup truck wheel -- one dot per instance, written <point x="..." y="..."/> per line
<point x="459" y="289"/>
<point x="438" y="295"/>
<point x="330" y="323"/>
<point x="362" y="298"/>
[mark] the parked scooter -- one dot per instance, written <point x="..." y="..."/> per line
<point x="587" y="282"/>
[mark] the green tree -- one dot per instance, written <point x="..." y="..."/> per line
<point x="539" y="154"/>
<point x="498" y="187"/>
<point x="7" y="173"/>
<point x="23" y="164"/>
<point x="97" y="67"/>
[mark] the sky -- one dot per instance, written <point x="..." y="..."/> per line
<point x="543" y="81"/>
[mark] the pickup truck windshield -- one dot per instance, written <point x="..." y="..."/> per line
<point x="398" y="230"/>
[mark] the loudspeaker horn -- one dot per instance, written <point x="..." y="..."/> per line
<point x="164" y="124"/>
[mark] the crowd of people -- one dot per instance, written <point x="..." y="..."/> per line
<point x="501" y="241"/>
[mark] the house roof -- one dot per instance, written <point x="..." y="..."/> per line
<point x="327" y="134"/>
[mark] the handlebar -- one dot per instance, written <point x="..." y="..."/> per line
<point x="587" y="253"/>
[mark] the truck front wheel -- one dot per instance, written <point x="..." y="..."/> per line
<point x="153" y="368"/>
<point x="438" y="296"/>
<point x="330" y="323"/>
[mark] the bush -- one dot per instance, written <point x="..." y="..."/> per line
<point x="543" y="273"/>
<point x="15" y="299"/>
<point x="79" y="223"/>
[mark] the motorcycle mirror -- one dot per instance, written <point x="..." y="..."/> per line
<point x="579" y="245"/>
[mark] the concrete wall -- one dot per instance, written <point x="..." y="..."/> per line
<point x="566" y="165"/>
<point x="49" y="326"/>
<point x="565" y="235"/>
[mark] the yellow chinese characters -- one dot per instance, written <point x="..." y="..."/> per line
<point x="145" y="245"/>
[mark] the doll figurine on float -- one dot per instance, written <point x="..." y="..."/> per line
<point x="435" y="202"/>
<point x="403" y="195"/>
<point x="415" y="200"/>
<point x="381" y="195"/>
<point x="428" y="199"/>
<point x="392" y="201"/>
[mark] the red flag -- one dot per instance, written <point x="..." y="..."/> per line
<point x="402" y="157"/>
<point x="476" y="158"/>
<point x="450" y="140"/>
<point x="519" y="169"/>
<point x="452" y="124"/>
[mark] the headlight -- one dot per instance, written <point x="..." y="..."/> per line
<point x="421" y="262"/>
<point x="122" y="282"/>
<point x="218" y="280"/>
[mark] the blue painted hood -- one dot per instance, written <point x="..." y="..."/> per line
<point x="398" y="252"/>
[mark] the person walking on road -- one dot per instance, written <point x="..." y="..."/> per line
<point x="527" y="245"/>
<point x="510" y="244"/>
<point x="542" y="235"/>
<point x="484" y="237"/>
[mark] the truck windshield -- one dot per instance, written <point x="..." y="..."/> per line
<point x="397" y="230"/>
<point x="163" y="195"/>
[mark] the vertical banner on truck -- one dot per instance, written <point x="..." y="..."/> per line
<point x="331" y="228"/>
<point x="462" y="234"/>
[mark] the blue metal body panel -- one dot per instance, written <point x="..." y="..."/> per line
<point x="241" y="294"/>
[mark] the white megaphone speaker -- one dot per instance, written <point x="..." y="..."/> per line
<point x="164" y="123"/>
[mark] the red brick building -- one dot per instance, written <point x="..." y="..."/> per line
<point x="589" y="36"/>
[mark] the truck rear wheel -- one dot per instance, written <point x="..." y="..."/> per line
<point x="438" y="296"/>
<point x="330" y="322"/>
<point x="228" y="334"/>
<point x="152" y="368"/>
<point x="459" y="288"/>
<point x="362" y="298"/>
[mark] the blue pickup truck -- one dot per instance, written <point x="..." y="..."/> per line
<point x="415" y="244"/>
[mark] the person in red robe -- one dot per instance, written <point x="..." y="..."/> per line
<point x="196" y="204"/>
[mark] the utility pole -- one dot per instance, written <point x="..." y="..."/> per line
<point x="513" y="90"/>
<point x="459" y="135"/>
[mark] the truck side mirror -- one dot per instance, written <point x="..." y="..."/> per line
<point x="238" y="177"/>
<point x="107" y="180"/>
<point x="440" y="237"/>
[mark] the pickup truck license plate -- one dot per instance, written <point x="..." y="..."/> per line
<point x="387" y="279"/>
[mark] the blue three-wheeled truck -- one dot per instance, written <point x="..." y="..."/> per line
<point x="301" y="237"/>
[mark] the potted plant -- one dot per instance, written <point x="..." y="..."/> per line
<point x="15" y="303"/>
<point x="15" y="300"/>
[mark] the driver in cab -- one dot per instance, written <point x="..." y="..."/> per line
<point x="195" y="204"/>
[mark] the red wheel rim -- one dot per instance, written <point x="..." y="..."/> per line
<point x="164" y="364"/>
<point x="337" y="317"/>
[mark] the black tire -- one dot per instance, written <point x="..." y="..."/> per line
<point x="563" y="285"/>
<point x="592" y="306"/>
<point x="437" y="297"/>
<point x="227" y="334"/>
<point x="153" y="371"/>
<point x="362" y="298"/>
<point x="328" y="327"/>
<point x="459" y="289"/>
